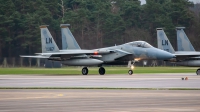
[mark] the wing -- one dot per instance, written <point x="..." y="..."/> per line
<point x="77" y="52"/>
<point x="187" y="53"/>
<point x="66" y="54"/>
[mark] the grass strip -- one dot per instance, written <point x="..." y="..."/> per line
<point x="94" y="70"/>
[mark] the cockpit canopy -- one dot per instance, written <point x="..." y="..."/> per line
<point x="142" y="44"/>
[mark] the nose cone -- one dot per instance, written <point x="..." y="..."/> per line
<point x="164" y="55"/>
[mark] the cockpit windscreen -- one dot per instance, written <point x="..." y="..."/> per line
<point x="142" y="44"/>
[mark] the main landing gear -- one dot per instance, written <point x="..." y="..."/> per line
<point x="198" y="71"/>
<point x="101" y="71"/>
<point x="85" y="71"/>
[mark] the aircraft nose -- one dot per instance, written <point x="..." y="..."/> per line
<point x="164" y="55"/>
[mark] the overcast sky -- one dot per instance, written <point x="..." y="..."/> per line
<point x="195" y="1"/>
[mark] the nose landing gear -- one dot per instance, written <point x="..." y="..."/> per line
<point x="130" y="72"/>
<point x="131" y="64"/>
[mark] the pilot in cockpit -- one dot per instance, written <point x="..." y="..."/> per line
<point x="141" y="44"/>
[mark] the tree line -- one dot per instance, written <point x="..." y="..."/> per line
<point x="94" y="23"/>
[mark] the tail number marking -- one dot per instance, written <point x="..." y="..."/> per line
<point x="49" y="48"/>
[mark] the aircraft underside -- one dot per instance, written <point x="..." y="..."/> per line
<point x="95" y="62"/>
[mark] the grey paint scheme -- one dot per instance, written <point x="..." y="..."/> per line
<point x="82" y="62"/>
<point x="163" y="41"/>
<point x="118" y="51"/>
<point x="48" y="44"/>
<point x="183" y="43"/>
<point x="137" y="49"/>
<point x="184" y="58"/>
<point x="68" y="40"/>
<point x="138" y="52"/>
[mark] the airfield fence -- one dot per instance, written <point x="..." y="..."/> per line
<point x="21" y="62"/>
<point x="33" y="62"/>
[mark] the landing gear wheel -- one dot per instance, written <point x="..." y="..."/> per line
<point x="102" y="71"/>
<point x="198" y="71"/>
<point x="130" y="72"/>
<point x="85" y="71"/>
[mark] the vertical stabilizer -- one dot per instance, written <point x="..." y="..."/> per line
<point x="163" y="41"/>
<point x="48" y="43"/>
<point x="183" y="42"/>
<point x="68" y="40"/>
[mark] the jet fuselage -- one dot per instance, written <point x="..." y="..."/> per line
<point x="139" y="50"/>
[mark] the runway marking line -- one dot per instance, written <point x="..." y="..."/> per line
<point x="60" y="94"/>
<point x="90" y="95"/>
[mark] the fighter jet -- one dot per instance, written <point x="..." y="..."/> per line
<point x="184" y="44"/>
<point x="73" y="55"/>
<point x="186" y="56"/>
<point x="68" y="39"/>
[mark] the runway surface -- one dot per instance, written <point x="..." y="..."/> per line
<point x="92" y="100"/>
<point x="110" y="81"/>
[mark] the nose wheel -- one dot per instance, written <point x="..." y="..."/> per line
<point x="102" y="71"/>
<point x="85" y="71"/>
<point x="130" y="72"/>
<point x="198" y="71"/>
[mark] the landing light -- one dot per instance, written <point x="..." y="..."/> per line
<point x="132" y="67"/>
<point x="137" y="59"/>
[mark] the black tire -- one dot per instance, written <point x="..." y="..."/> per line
<point x="198" y="71"/>
<point x="102" y="71"/>
<point x="130" y="72"/>
<point x="85" y="71"/>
